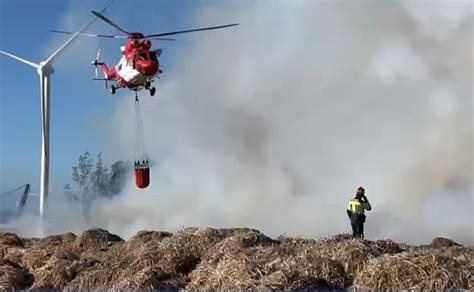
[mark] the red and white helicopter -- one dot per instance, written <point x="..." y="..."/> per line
<point x="139" y="65"/>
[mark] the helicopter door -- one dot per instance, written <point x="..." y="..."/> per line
<point x="120" y="66"/>
<point x="126" y="71"/>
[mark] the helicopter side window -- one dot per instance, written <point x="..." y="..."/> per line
<point x="153" y="57"/>
<point x="120" y="67"/>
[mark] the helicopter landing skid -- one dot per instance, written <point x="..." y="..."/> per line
<point x="151" y="90"/>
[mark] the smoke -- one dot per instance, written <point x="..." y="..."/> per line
<point x="274" y="123"/>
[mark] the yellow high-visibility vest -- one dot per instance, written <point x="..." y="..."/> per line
<point x="356" y="207"/>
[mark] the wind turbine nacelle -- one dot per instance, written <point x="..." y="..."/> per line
<point x="45" y="68"/>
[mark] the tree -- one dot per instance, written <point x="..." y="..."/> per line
<point x="80" y="173"/>
<point x="89" y="184"/>
<point x="100" y="181"/>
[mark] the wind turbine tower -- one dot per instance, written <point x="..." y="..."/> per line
<point x="44" y="70"/>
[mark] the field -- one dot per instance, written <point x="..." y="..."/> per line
<point x="228" y="258"/>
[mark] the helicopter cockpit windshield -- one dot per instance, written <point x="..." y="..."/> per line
<point x="148" y="56"/>
<point x="143" y="56"/>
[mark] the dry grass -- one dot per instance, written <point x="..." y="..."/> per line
<point x="151" y="278"/>
<point x="145" y="236"/>
<point x="8" y="239"/>
<point x="387" y="246"/>
<point x="13" y="276"/>
<point x="227" y="258"/>
<point x="431" y="269"/>
<point x="96" y="238"/>
<point x="352" y="254"/>
<point x="252" y="260"/>
<point x="440" y="242"/>
<point x="93" y="279"/>
<point x="56" y="274"/>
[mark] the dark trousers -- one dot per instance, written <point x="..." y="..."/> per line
<point x="357" y="227"/>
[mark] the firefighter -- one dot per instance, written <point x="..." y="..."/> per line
<point x="355" y="211"/>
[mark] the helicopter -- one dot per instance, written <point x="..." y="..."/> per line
<point x="139" y="65"/>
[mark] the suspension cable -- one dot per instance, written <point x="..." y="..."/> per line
<point x="137" y="140"/>
<point x="140" y="148"/>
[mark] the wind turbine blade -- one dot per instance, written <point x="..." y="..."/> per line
<point x="61" y="48"/>
<point x="21" y="59"/>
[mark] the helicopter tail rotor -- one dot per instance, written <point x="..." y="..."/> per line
<point x="96" y="62"/>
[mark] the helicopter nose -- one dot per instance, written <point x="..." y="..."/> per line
<point x="146" y="67"/>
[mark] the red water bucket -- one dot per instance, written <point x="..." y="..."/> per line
<point x="142" y="177"/>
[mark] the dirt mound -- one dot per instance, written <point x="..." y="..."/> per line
<point x="195" y="258"/>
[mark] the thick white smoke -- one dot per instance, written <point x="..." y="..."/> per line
<point x="274" y="123"/>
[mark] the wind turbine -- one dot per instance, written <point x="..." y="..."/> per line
<point x="44" y="70"/>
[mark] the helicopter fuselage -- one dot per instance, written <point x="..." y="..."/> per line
<point x="137" y="67"/>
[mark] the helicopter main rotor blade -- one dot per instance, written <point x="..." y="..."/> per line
<point x="163" y="39"/>
<point x="105" y="35"/>
<point x="101" y="16"/>
<point x="91" y="34"/>
<point x="190" y="30"/>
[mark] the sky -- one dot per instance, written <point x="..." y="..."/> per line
<point x="274" y="123"/>
<point x="78" y="103"/>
